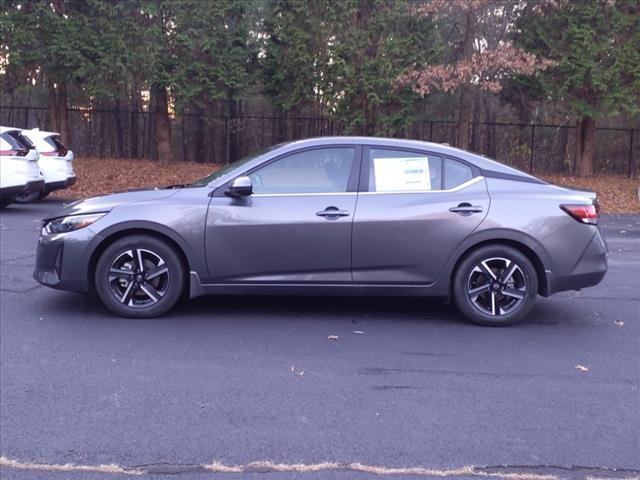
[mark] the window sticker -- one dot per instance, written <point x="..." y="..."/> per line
<point x="402" y="174"/>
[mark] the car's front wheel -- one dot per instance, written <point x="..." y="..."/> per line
<point x="495" y="285"/>
<point x="139" y="276"/>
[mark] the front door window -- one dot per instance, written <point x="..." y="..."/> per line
<point x="325" y="170"/>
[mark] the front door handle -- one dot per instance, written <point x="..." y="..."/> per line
<point x="466" y="209"/>
<point x="332" y="213"/>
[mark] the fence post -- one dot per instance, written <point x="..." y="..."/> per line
<point x="631" y="152"/>
<point x="431" y="131"/>
<point x="533" y="135"/>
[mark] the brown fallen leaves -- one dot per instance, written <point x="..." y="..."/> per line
<point x="616" y="193"/>
<point x="99" y="176"/>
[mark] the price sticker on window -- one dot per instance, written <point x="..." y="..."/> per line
<point x="402" y="174"/>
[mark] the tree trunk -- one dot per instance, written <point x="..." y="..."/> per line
<point x="490" y="116"/>
<point x="465" y="112"/>
<point x="200" y="153"/>
<point x="565" y="160"/>
<point x="119" y="130"/>
<point x="63" y="113"/>
<point x="233" y="129"/>
<point x="475" y="127"/>
<point x="135" y="108"/>
<point x="464" y="118"/>
<point x="585" y="146"/>
<point x="162" y="124"/>
<point x="52" y="104"/>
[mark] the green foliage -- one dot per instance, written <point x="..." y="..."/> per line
<point x="596" y="47"/>
<point x="311" y="57"/>
<point x="376" y="42"/>
<point x="299" y="64"/>
<point x="344" y="57"/>
<point x="214" y="52"/>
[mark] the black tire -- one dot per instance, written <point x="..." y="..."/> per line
<point x="122" y="286"/>
<point x="6" y="201"/>
<point x="31" y="197"/>
<point x="495" y="286"/>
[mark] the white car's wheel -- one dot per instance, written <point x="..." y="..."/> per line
<point x="31" y="197"/>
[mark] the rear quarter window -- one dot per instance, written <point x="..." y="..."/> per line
<point x="455" y="173"/>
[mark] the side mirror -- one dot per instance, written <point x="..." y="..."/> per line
<point x="240" y="187"/>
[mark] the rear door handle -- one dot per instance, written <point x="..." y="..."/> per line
<point x="332" y="213"/>
<point x="466" y="209"/>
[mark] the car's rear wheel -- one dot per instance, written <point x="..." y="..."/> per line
<point x="31" y="197"/>
<point x="139" y="276"/>
<point x="495" y="285"/>
<point x="6" y="201"/>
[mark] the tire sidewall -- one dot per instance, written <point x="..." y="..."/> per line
<point x="166" y="252"/>
<point x="29" y="197"/>
<point x="463" y="271"/>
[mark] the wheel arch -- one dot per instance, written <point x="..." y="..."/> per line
<point x="521" y="242"/>
<point x="158" y="231"/>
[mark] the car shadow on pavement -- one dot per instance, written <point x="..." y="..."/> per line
<point x="310" y="308"/>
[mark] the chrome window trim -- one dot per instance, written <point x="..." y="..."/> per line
<point x="462" y="186"/>
<point x="320" y="194"/>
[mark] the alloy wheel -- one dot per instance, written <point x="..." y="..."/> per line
<point x="497" y="286"/>
<point x="138" y="278"/>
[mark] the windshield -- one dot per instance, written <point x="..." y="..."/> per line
<point x="232" y="166"/>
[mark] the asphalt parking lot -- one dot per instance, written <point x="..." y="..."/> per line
<point x="407" y="383"/>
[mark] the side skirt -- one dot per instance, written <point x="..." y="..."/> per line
<point x="196" y="289"/>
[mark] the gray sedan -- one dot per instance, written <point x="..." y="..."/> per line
<point x="334" y="216"/>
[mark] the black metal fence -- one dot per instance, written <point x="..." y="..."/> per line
<point x="540" y="148"/>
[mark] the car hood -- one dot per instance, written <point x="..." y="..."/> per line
<point x="107" y="202"/>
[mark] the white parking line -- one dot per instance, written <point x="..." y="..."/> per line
<point x="268" y="466"/>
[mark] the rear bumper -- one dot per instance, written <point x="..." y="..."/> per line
<point x="588" y="271"/>
<point x="12" y="191"/>
<point x="51" y="186"/>
<point x="33" y="186"/>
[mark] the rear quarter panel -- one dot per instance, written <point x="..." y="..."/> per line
<point x="532" y="212"/>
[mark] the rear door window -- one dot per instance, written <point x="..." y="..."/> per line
<point x="392" y="171"/>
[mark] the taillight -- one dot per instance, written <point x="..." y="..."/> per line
<point x="61" y="152"/>
<point x="583" y="213"/>
<point x="15" y="153"/>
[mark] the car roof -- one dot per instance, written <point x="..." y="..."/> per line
<point x="42" y="133"/>
<point x="480" y="161"/>
<point x="4" y="129"/>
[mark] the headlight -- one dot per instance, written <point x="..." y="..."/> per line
<point x="70" y="223"/>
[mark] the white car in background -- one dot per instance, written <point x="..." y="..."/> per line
<point x="19" y="171"/>
<point x="56" y="164"/>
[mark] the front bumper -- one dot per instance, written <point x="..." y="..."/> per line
<point x="62" y="261"/>
<point x="588" y="271"/>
